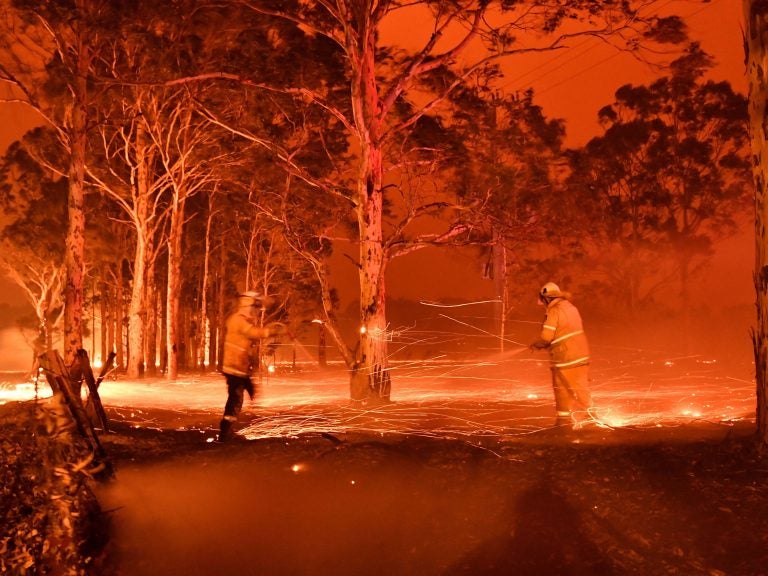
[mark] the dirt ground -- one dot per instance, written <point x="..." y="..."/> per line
<point x="683" y="500"/>
<point x="463" y="474"/>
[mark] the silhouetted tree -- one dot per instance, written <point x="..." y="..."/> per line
<point x="756" y="47"/>
<point x="668" y="177"/>
<point x="33" y="200"/>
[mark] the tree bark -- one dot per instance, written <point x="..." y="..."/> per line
<point x="203" y="355"/>
<point x="370" y="379"/>
<point x="150" y="338"/>
<point x="141" y="215"/>
<point x="174" y="285"/>
<point x="217" y="334"/>
<point x="119" y="312"/>
<point x="104" y="308"/>
<point x="756" y="46"/>
<point x="136" y="308"/>
<point x="75" y="241"/>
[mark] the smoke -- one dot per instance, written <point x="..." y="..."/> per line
<point x="15" y="351"/>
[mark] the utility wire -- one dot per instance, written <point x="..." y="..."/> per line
<point x="588" y="68"/>
<point x="573" y="53"/>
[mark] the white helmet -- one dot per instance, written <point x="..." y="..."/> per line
<point x="550" y="290"/>
<point x="248" y="299"/>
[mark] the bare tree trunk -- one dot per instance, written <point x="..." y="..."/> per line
<point x="174" y="286"/>
<point x="500" y="285"/>
<point x="104" y="309"/>
<point x="370" y="379"/>
<point x="202" y="329"/>
<point x="136" y="312"/>
<point x="137" y="307"/>
<point x="119" y="356"/>
<point x="163" y="323"/>
<point x="221" y="308"/>
<point x="111" y="320"/>
<point x="186" y="342"/>
<point x="756" y="45"/>
<point x="150" y="339"/>
<point x="75" y="241"/>
<point x="685" y="300"/>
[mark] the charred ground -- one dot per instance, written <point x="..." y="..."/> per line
<point x="689" y="500"/>
<point x="683" y="500"/>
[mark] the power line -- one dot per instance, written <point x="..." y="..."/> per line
<point x="573" y="56"/>
<point x="590" y="67"/>
<point x="577" y="74"/>
<point x="558" y="55"/>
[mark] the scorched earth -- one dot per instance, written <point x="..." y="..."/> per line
<point x="463" y="473"/>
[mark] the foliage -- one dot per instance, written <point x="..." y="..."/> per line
<point x="508" y="169"/>
<point x="50" y="516"/>
<point x="668" y="177"/>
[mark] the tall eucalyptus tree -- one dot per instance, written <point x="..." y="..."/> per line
<point x="390" y="96"/>
<point x="756" y="46"/>
<point x="47" y="53"/>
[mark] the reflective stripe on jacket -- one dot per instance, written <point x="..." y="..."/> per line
<point x="241" y="330"/>
<point x="563" y="330"/>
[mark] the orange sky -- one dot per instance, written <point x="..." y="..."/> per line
<point x="575" y="85"/>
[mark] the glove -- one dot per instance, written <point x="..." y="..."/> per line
<point x="539" y="345"/>
<point x="277" y="328"/>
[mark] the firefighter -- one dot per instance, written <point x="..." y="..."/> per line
<point x="241" y="330"/>
<point x="563" y="335"/>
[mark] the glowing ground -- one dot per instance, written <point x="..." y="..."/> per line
<point x="498" y="397"/>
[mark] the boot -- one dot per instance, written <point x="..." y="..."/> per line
<point x="225" y="430"/>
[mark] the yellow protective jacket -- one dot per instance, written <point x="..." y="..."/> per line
<point x="240" y="331"/>
<point x="564" y="333"/>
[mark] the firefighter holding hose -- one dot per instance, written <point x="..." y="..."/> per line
<point x="562" y="334"/>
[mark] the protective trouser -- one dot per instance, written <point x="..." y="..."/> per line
<point x="572" y="397"/>
<point x="236" y="385"/>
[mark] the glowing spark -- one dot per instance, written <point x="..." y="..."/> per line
<point x="438" y="305"/>
<point x="481" y="400"/>
<point x="23" y="391"/>
<point x="484" y="331"/>
<point x="297" y="468"/>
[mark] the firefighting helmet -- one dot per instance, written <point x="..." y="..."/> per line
<point x="250" y="298"/>
<point x="548" y="291"/>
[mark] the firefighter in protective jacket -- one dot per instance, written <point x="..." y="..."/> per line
<point x="241" y="330"/>
<point x="563" y="335"/>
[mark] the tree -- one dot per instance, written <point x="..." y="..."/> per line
<point x="507" y="162"/>
<point x="756" y="47"/>
<point x="126" y="175"/>
<point x="147" y="166"/>
<point x="47" y="54"/>
<point x="33" y="201"/>
<point x="668" y="176"/>
<point x="391" y="96"/>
